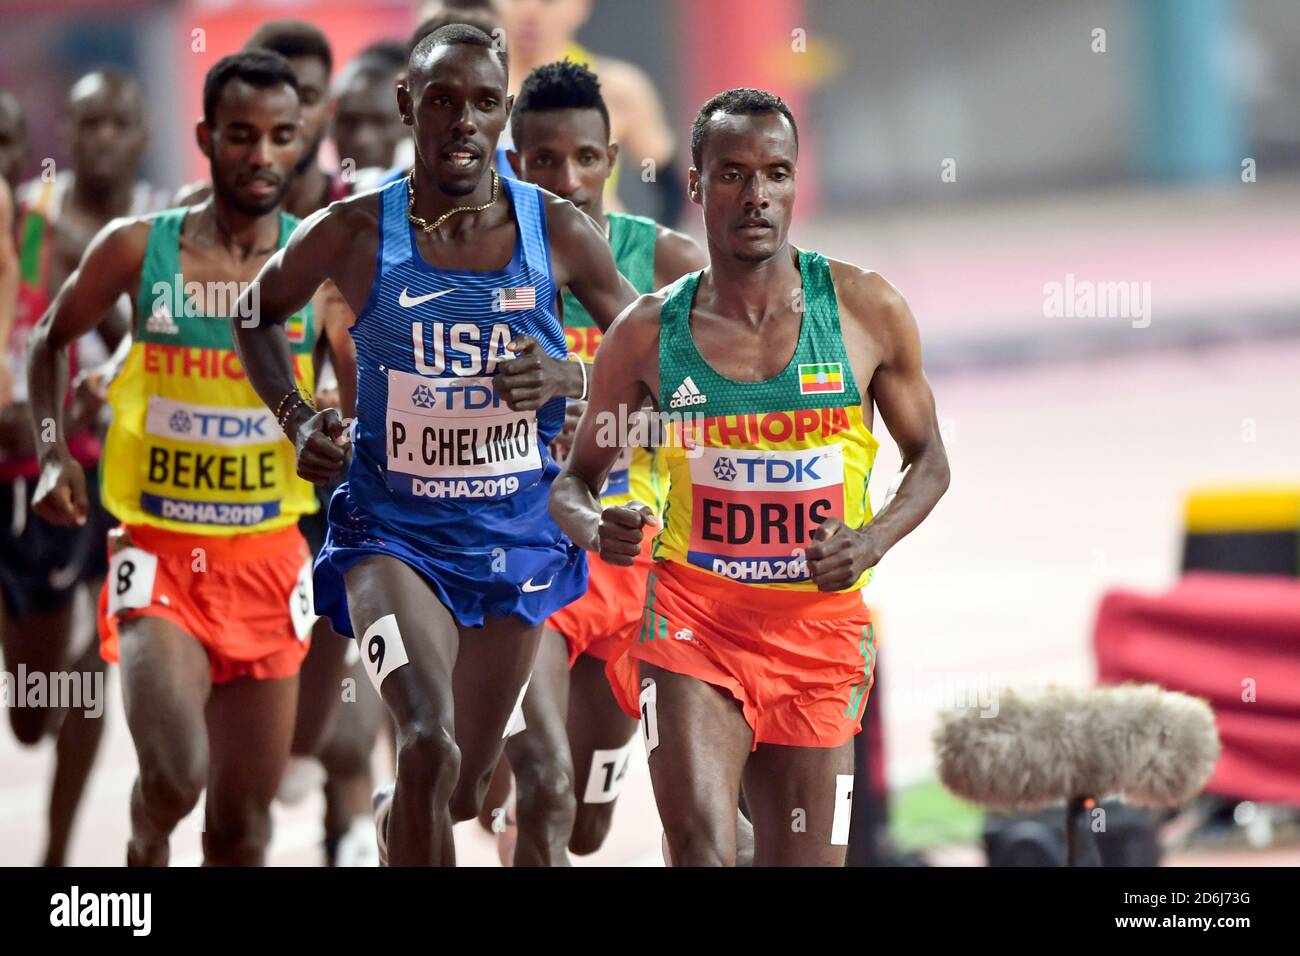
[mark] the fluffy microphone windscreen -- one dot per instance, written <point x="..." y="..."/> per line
<point x="1153" y="747"/>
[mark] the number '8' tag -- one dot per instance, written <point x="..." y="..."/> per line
<point x="131" y="574"/>
<point x="302" y="610"/>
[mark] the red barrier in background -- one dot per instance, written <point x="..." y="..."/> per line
<point x="1234" y="640"/>
<point x="730" y="43"/>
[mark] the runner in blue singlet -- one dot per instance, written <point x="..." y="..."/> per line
<point x="441" y="557"/>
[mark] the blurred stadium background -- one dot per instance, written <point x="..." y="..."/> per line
<point x="974" y="153"/>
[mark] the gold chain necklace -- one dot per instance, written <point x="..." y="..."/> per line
<point x="427" y="226"/>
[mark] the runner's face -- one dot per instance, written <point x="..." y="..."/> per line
<point x="746" y="185"/>
<point x="367" y="127"/>
<point x="457" y="105"/>
<point x="254" y="145"/>
<point x="106" y="121"/>
<point x="539" y="27"/>
<point x="13" y="141"/>
<point x="313" y="95"/>
<point x="569" y="153"/>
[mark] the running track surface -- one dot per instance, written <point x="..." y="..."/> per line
<point x="1067" y="479"/>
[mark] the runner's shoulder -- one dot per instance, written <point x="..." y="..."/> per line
<point x="345" y="221"/>
<point x="191" y="194"/>
<point x="636" y="330"/>
<point x="676" y="253"/>
<point x="125" y="238"/>
<point x="865" y="295"/>
<point x="873" y="306"/>
<point x="564" y="217"/>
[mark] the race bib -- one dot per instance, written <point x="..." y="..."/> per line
<point x="516" y="724"/>
<point x="131" y="574"/>
<point x="754" y="510"/>
<point x="608" y="771"/>
<point x="649" y="717"/>
<point x="211" y="464"/>
<point x="301" y="608"/>
<point x="843" y="809"/>
<point x="457" y="438"/>
<point x="382" y="650"/>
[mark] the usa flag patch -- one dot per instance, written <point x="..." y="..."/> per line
<point x="516" y="300"/>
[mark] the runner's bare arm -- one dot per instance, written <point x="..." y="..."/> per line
<point x="286" y="283"/>
<point x="336" y="318"/>
<point x="675" y="255"/>
<point x="619" y="383"/>
<point x="111" y="268"/>
<point x="873" y="311"/>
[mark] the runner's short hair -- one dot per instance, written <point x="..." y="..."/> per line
<point x="292" y="39"/>
<point x="558" y="86"/>
<point x="260" y="68"/>
<point x="742" y="101"/>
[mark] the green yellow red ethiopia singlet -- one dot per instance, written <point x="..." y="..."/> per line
<point x="191" y="447"/>
<point x="755" y="467"/>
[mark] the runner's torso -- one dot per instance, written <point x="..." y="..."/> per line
<point x="191" y="447"/>
<point x="767" y="461"/>
<point x="437" y="452"/>
<point x="639" y="473"/>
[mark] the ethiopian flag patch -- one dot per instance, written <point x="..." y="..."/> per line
<point x="295" y="329"/>
<point x="821" y="378"/>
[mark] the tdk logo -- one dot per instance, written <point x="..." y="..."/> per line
<point x="775" y="471"/>
<point x="218" y="426"/>
<point x="456" y="397"/>
<point x="724" y="470"/>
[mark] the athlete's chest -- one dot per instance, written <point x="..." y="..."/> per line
<point x="203" y="266"/>
<point x="488" y="249"/>
<point x="745" y="352"/>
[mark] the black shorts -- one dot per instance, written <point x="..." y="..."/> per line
<point x="41" y="564"/>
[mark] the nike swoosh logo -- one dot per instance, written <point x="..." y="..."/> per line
<point x="408" y="301"/>
<point x="528" y="587"/>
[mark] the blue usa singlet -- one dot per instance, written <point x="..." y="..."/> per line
<point x="445" y="477"/>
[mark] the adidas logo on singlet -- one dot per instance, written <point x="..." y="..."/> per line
<point x="687" y="394"/>
<point x="160" y="322"/>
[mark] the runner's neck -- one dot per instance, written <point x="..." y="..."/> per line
<point x="752" y="292"/>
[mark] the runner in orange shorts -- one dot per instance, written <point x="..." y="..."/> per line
<point x="570" y="760"/>
<point x="208" y="601"/>
<point x="756" y="651"/>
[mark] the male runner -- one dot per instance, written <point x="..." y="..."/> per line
<point x="569" y="761"/>
<point x="756" y="650"/>
<point x="308" y="51"/>
<point x="441" y="558"/>
<point x="44" y="568"/>
<point x="367" y="128"/>
<point x="543" y="31"/>
<point x="208" y="602"/>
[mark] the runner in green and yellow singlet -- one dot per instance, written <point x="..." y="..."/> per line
<point x="208" y="599"/>
<point x="579" y="724"/>
<point x="767" y="368"/>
